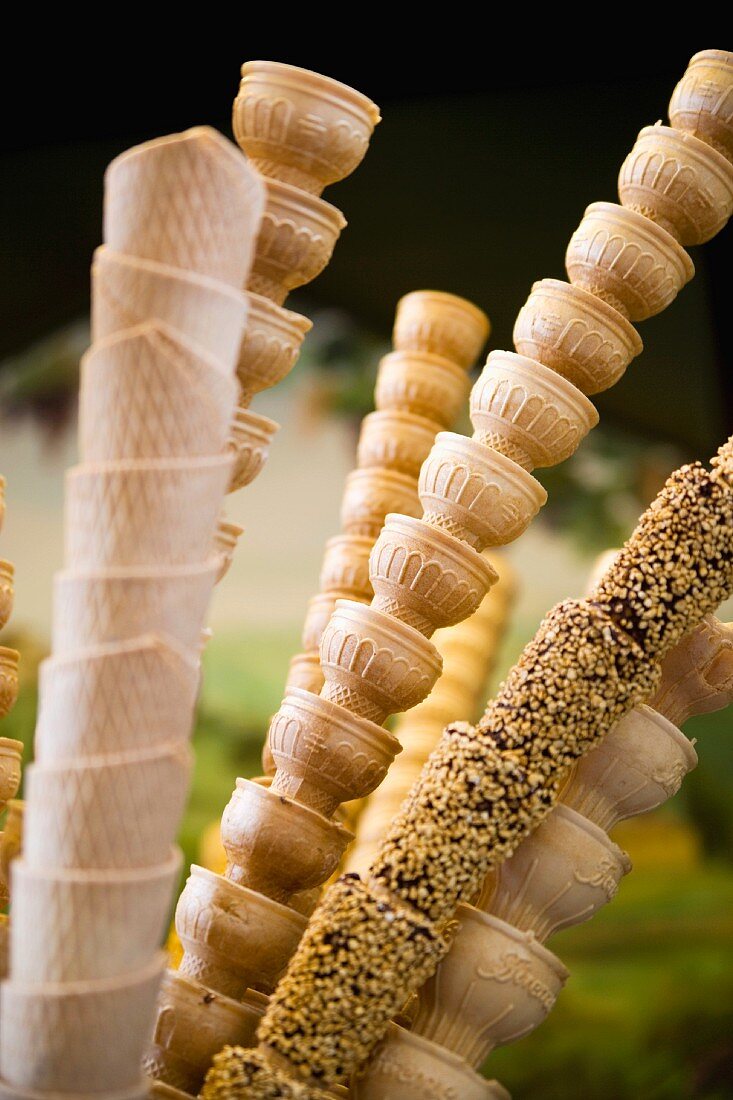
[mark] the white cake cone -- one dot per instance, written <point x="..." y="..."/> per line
<point x="147" y="513"/>
<point x="80" y="925"/>
<point x="189" y="200"/>
<point x="127" y="292"/>
<point x="93" y="608"/>
<point x="178" y="400"/>
<point x="110" y="812"/>
<point x="94" y="1033"/>
<point x="116" y="698"/>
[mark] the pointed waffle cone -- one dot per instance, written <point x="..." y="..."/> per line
<point x="177" y="400"/>
<point x="83" y="925"/>
<point x="128" y="292"/>
<point x="146" y="513"/>
<point x="112" y="605"/>
<point x="94" y="1033"/>
<point x="106" y="812"/>
<point x="189" y="200"/>
<point x="116" y="698"/>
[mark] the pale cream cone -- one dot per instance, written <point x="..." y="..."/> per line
<point x="559" y="876"/>
<point x="115" y="698"/>
<point x="233" y="938"/>
<point x="92" y="608"/>
<point x="638" y="765"/>
<point x="496" y="985"/>
<point x="106" y="812"/>
<point x="189" y="200"/>
<point x="82" y="925"/>
<point x="178" y="401"/>
<point x="127" y="292"/>
<point x="152" y="512"/>
<point x="77" y="1018"/>
<point x="409" y="1067"/>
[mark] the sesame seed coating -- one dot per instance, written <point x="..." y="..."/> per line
<point x="356" y="951"/>
<point x="678" y="564"/>
<point x="486" y="787"/>
<point x="238" y="1073"/>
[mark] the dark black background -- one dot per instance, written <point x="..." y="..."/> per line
<point x="491" y="146"/>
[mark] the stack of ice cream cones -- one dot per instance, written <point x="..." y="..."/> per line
<point x="11" y="751"/>
<point x="235" y="955"/>
<point x="93" y="889"/>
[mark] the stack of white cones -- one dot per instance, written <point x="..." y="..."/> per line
<point x="93" y="890"/>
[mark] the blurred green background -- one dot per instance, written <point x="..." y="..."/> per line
<point x="476" y="178"/>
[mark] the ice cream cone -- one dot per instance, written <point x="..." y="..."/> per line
<point x="143" y="513"/>
<point x="189" y="200"/>
<point x="191" y="1027"/>
<point x="84" y="925"/>
<point x="7" y="571"/>
<point x="118" y="697"/>
<point x="111" y="1015"/>
<point x="409" y="1067"/>
<point x="106" y="812"/>
<point x="270" y="345"/>
<point x="559" y="876"/>
<point x="178" y="400"/>
<point x="127" y="292"/>
<point x="496" y="985"/>
<point x="11" y="755"/>
<point x="93" y="608"/>
<point x="250" y="435"/>
<point x="9" y="659"/>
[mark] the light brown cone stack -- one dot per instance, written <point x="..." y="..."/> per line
<point x="11" y="752"/>
<point x="299" y="119"/>
<point x="529" y="409"/>
<point x="112" y="765"/>
<point x="248" y="941"/>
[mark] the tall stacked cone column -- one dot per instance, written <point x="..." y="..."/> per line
<point x="239" y="930"/>
<point x="421" y="388"/>
<point x="105" y="795"/>
<point x="469" y="651"/>
<point x="497" y="982"/>
<point x="301" y="131"/>
<point x="11" y="751"/>
<point x="483" y="790"/>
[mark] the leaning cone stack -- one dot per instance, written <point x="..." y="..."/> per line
<point x="497" y="982"/>
<point x="106" y="792"/>
<point x="11" y="751"/>
<point x="240" y="950"/>
<point x="469" y="651"/>
<point x="484" y="789"/>
<point x="302" y="131"/>
<point x="421" y="388"/>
